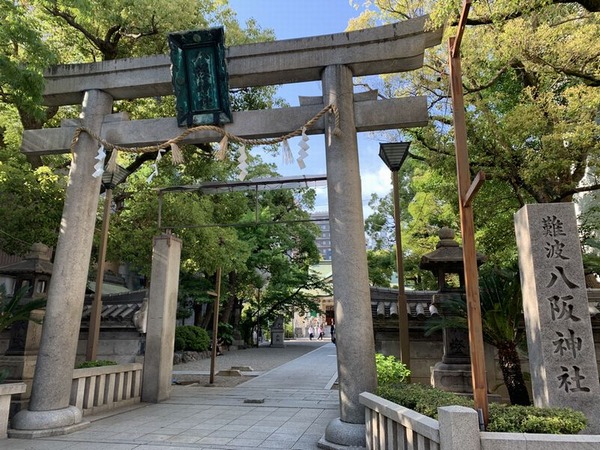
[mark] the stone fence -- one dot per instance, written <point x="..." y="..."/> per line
<point x="97" y="389"/>
<point x="389" y="425"/>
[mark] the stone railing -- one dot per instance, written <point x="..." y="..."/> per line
<point x="6" y="390"/>
<point x="389" y="425"/>
<point x="98" y="389"/>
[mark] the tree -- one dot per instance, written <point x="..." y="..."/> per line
<point x="531" y="74"/>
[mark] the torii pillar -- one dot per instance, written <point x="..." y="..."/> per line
<point x="352" y="300"/>
<point x="49" y="412"/>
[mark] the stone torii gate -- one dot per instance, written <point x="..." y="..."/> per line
<point x="334" y="59"/>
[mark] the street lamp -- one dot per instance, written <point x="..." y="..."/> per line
<point x="109" y="180"/>
<point x="393" y="155"/>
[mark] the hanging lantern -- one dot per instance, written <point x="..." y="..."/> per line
<point x="199" y="76"/>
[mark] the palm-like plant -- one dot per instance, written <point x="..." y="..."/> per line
<point x="502" y="322"/>
<point x="12" y="309"/>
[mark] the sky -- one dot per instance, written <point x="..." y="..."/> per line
<point x="303" y="18"/>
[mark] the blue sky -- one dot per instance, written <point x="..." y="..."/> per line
<point x="302" y="18"/>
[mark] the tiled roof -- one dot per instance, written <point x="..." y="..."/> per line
<point x="117" y="309"/>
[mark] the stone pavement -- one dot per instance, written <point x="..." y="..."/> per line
<point x="287" y="407"/>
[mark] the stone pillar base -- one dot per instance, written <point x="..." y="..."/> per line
<point x="277" y="338"/>
<point x="452" y="378"/>
<point x="36" y="424"/>
<point x="341" y="435"/>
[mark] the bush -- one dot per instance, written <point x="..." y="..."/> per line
<point x="503" y="418"/>
<point x="191" y="338"/>
<point x="529" y="419"/>
<point x="390" y="370"/>
<point x="420" y="398"/>
<point x="95" y="363"/>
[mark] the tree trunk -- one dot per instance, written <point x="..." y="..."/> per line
<point x="231" y="299"/>
<point x="512" y="374"/>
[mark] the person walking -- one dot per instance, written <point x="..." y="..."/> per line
<point x="311" y="332"/>
<point x="332" y="331"/>
<point x="320" y="333"/>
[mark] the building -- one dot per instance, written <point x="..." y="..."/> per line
<point x="323" y="241"/>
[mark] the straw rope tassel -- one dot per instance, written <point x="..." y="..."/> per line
<point x="220" y="155"/>
<point x="176" y="155"/>
<point x="111" y="165"/>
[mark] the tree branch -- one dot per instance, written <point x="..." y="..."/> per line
<point x="578" y="190"/>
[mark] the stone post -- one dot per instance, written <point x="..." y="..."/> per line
<point x="49" y="405"/>
<point x="562" y="358"/>
<point x="278" y="333"/>
<point x="162" y="308"/>
<point x="459" y="428"/>
<point x="352" y="299"/>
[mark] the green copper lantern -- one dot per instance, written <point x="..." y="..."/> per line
<point x="199" y="76"/>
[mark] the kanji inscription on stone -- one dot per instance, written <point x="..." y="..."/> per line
<point x="560" y="343"/>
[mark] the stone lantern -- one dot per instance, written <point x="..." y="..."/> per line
<point x="453" y="373"/>
<point x="34" y="273"/>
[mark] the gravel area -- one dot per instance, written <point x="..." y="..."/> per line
<point x="259" y="359"/>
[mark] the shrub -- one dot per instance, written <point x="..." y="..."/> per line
<point x="390" y="370"/>
<point x="191" y="338"/>
<point x="95" y="363"/>
<point x="420" y="398"/>
<point x="529" y="419"/>
<point x="503" y="418"/>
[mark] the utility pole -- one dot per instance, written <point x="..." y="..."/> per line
<point x="466" y="193"/>
<point x="215" y="333"/>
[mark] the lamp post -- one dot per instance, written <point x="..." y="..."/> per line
<point x="393" y="155"/>
<point x="109" y="181"/>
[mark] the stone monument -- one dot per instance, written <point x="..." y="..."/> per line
<point x="277" y="333"/>
<point x="562" y="357"/>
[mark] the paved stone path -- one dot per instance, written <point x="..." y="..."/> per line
<point x="287" y="407"/>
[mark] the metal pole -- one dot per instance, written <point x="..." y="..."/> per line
<point x="402" y="310"/>
<point x="213" y="354"/>
<point x="95" y="317"/>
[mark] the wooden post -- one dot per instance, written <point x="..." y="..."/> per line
<point x="402" y="310"/>
<point x="465" y="194"/>
<point x="213" y="354"/>
<point x="95" y="317"/>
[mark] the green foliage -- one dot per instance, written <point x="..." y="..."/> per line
<point x="420" y="398"/>
<point x="390" y="370"/>
<point x="225" y="333"/>
<point x="531" y="100"/>
<point x="502" y="418"/>
<point x="12" y="308"/>
<point x="529" y="419"/>
<point x="191" y="338"/>
<point x="381" y="265"/>
<point x="96" y="363"/>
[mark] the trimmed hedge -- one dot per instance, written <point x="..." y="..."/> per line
<point x="503" y="418"/>
<point x="96" y="363"/>
<point x="191" y="338"/>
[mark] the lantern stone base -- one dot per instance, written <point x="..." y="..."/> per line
<point x="452" y="377"/>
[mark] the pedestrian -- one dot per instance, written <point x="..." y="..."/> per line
<point x="332" y="332"/>
<point x="320" y="333"/>
<point x="311" y="333"/>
